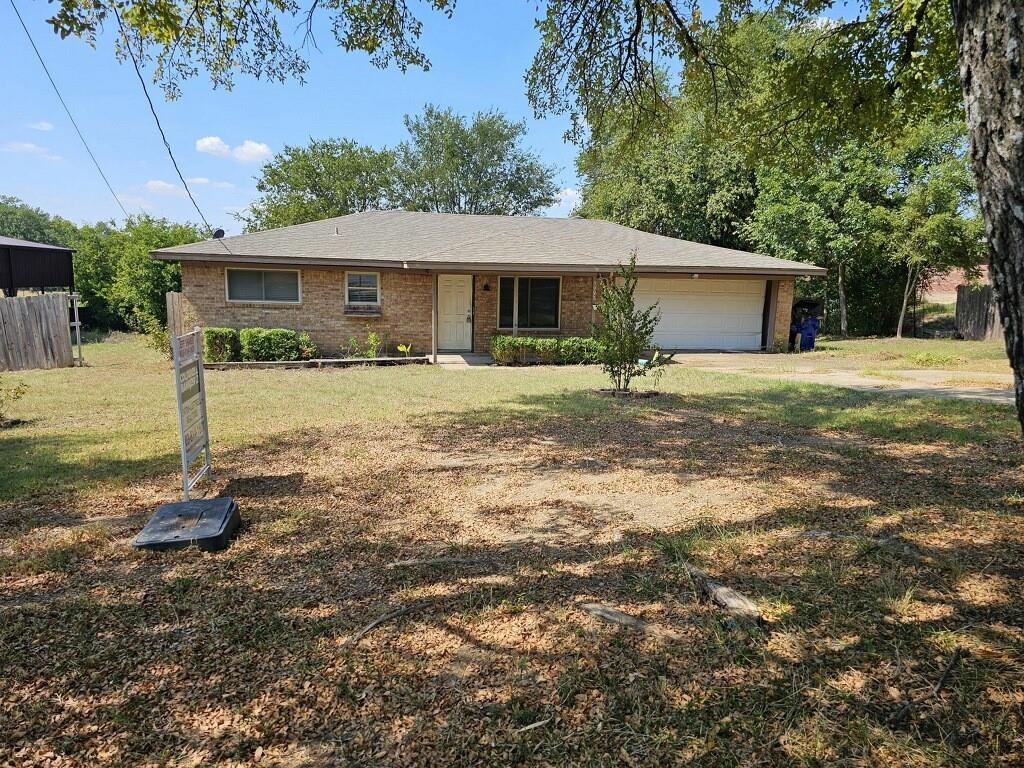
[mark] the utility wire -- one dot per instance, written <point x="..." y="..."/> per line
<point x="145" y="90"/>
<point x="70" y="116"/>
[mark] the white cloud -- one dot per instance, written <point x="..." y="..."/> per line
<point x="160" y="187"/>
<point x="567" y="199"/>
<point x="134" y="201"/>
<point x="42" y="125"/>
<point x="28" y="148"/>
<point x="198" y="181"/>
<point x="213" y="145"/>
<point x="250" y="151"/>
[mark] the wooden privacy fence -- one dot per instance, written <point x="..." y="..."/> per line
<point x="175" y="314"/>
<point x="35" y="332"/>
<point x="977" y="316"/>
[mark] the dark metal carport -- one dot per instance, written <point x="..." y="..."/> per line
<point x="28" y="265"/>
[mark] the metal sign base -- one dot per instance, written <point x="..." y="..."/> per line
<point x="206" y="523"/>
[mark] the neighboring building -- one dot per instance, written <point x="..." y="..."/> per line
<point x="34" y="266"/>
<point x="448" y="282"/>
<point x="942" y="289"/>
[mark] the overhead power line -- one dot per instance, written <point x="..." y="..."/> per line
<point x="156" y="118"/>
<point x="70" y="116"/>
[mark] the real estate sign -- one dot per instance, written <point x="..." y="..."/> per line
<point x="191" y="393"/>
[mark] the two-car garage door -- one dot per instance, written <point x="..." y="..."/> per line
<point x="705" y="313"/>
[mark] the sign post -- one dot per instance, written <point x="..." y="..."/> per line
<point x="206" y="523"/>
<point x="191" y="395"/>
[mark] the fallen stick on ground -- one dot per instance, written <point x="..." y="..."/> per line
<point x="380" y="620"/>
<point x="615" y="616"/>
<point x="532" y="726"/>
<point x="433" y="561"/>
<point x="735" y="603"/>
<point x="958" y="654"/>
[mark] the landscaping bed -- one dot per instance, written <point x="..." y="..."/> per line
<point x="320" y="362"/>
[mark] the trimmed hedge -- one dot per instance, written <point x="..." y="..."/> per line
<point x="262" y="344"/>
<point x="569" y="350"/>
<point x="221" y="345"/>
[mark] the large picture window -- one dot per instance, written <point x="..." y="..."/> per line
<point x="362" y="288"/>
<point x="538" y="302"/>
<point x="263" y="285"/>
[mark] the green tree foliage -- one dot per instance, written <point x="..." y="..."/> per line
<point x="678" y="185"/>
<point x="95" y="269"/>
<point x="328" y="177"/>
<point x="140" y="283"/>
<point x="225" y="37"/>
<point x="27" y="223"/>
<point x="881" y="219"/>
<point x="450" y="164"/>
<point x="454" y="165"/>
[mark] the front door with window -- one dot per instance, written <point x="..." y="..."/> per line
<point x="455" y="313"/>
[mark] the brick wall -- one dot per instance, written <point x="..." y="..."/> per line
<point x="783" y="314"/>
<point x="577" y="302"/>
<point x="405" y="307"/>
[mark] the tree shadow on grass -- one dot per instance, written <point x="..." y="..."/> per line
<point x="159" y="657"/>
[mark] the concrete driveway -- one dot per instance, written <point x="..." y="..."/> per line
<point x="959" y="384"/>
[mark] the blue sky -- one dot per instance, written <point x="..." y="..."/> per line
<point x="478" y="60"/>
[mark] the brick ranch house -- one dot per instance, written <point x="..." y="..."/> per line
<point x="448" y="282"/>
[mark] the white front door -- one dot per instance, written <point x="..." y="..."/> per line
<point x="455" y="313"/>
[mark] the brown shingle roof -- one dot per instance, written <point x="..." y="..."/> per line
<point x="436" y="241"/>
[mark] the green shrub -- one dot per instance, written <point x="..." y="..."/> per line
<point x="546" y="350"/>
<point x="10" y="393"/>
<point x="571" y="350"/>
<point x="221" y="345"/>
<point x="269" y="344"/>
<point x="307" y="349"/>
<point x="156" y="333"/>
<point x="579" y="350"/>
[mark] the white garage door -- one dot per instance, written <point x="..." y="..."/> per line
<point x="705" y="313"/>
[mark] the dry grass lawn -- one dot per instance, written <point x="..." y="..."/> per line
<point x="532" y="496"/>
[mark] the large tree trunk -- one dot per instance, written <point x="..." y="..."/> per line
<point x="990" y="38"/>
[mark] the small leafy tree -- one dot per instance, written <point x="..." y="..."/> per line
<point x="626" y="333"/>
<point x="10" y="393"/>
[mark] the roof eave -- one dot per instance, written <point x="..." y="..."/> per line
<point x="483" y="267"/>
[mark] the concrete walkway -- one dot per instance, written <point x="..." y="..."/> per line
<point x="461" y="360"/>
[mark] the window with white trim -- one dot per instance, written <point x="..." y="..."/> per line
<point x="362" y="288"/>
<point x="272" y="286"/>
<point x="539" y="300"/>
